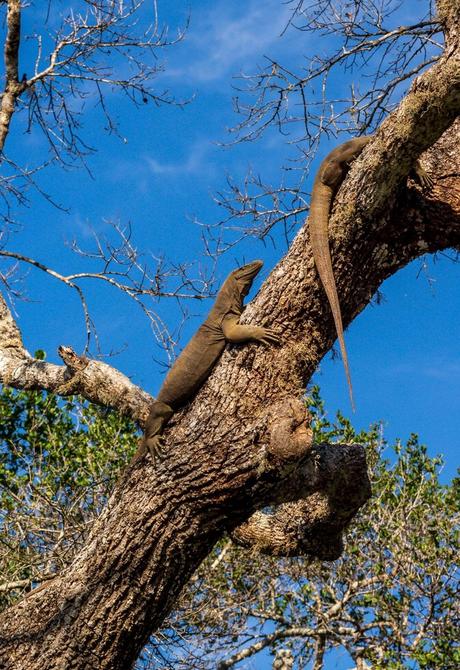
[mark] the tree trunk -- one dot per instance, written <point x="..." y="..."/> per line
<point x="244" y="442"/>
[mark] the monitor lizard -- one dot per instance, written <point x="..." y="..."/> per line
<point x="328" y="179"/>
<point x="196" y="361"/>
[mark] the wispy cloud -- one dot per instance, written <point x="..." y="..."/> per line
<point x="227" y="38"/>
<point x="440" y="369"/>
<point x="192" y="163"/>
<point x="194" y="159"/>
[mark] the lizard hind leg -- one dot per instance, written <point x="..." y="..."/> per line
<point x="159" y="415"/>
<point x="152" y="440"/>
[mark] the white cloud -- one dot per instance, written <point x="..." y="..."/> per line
<point x="193" y="162"/>
<point x="440" y="369"/>
<point x="226" y="38"/>
<point x="195" y="158"/>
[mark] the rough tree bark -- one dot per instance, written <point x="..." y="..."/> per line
<point x="244" y="442"/>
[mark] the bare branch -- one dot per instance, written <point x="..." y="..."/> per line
<point x="13" y="88"/>
<point x="267" y="641"/>
<point x="88" y="47"/>
<point x="121" y="266"/>
<point x="299" y="104"/>
<point x="101" y="48"/>
<point x="24" y="583"/>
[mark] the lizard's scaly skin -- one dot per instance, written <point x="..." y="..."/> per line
<point x="330" y="175"/>
<point x="196" y="361"/>
<point x="328" y="179"/>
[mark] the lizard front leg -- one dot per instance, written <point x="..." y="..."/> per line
<point x="237" y="333"/>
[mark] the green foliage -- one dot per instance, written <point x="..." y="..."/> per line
<point x="59" y="461"/>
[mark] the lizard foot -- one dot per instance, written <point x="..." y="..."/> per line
<point x="156" y="447"/>
<point x="425" y="180"/>
<point x="269" y="336"/>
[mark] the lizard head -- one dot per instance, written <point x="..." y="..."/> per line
<point x="237" y="285"/>
<point x="245" y="275"/>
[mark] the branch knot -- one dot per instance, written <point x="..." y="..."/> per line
<point x="290" y="435"/>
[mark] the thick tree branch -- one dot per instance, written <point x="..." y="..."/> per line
<point x="313" y="525"/>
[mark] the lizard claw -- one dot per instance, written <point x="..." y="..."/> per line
<point x="156" y="448"/>
<point x="270" y="337"/>
<point x="425" y="180"/>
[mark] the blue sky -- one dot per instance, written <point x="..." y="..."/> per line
<point x="404" y="354"/>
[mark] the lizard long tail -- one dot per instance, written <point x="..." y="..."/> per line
<point x="318" y="225"/>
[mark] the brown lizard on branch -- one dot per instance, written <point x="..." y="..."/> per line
<point x="196" y="361"/>
<point x="328" y="179"/>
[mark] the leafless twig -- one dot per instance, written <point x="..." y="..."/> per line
<point x="121" y="266"/>
<point x="102" y="47"/>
